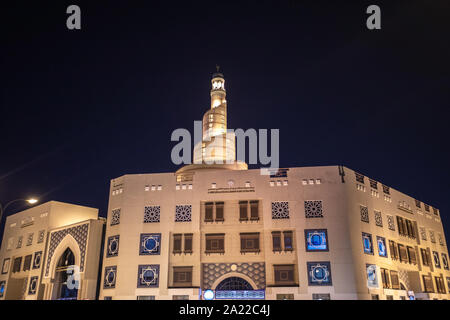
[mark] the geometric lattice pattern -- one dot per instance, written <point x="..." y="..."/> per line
<point x="151" y="214"/>
<point x="432" y="238"/>
<point x="440" y="239"/>
<point x="79" y="233"/>
<point x="280" y="210"/>
<point x="319" y="273"/>
<point x="255" y="271"/>
<point x="378" y="219"/>
<point x="313" y="209"/>
<point x="148" y="276"/>
<point x="41" y="236"/>
<point x="423" y="233"/>
<point x="364" y="214"/>
<point x="183" y="213"/>
<point x="404" y="278"/>
<point x="115" y="217"/>
<point x="391" y="223"/>
<point x="30" y="239"/>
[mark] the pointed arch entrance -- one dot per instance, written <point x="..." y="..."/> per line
<point x="61" y="290"/>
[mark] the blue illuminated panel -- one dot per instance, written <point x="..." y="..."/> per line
<point x="316" y="240"/>
<point x="241" y="294"/>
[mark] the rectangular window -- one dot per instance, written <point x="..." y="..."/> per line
<point x="27" y="263"/>
<point x="209" y="212"/>
<point x="182" y="276"/>
<point x="254" y="210"/>
<point x="215" y="243"/>
<point x="393" y="250"/>
<point x="188" y="243"/>
<point x="140" y="298"/>
<point x="375" y="297"/>
<point x="180" y="297"/>
<point x="394" y="280"/>
<point x="243" y="210"/>
<point x="402" y="253"/>
<point x="284" y="274"/>
<point x="321" y="296"/>
<point x="287" y="240"/>
<point x="250" y="242"/>
<point x="440" y="287"/>
<point x="285" y="296"/>
<point x="427" y="284"/>
<point x="177" y="243"/>
<point x="276" y="240"/>
<point x="385" y="278"/>
<point x="412" y="255"/>
<point x="219" y="211"/>
<point x="426" y="259"/>
<point x="17" y="264"/>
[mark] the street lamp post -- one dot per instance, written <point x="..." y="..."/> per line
<point x="3" y="208"/>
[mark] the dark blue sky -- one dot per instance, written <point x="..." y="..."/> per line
<point x="79" y="108"/>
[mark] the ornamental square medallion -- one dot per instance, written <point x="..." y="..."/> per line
<point x="280" y="210"/>
<point x="150" y="244"/>
<point x="110" y="277"/>
<point x="151" y="214"/>
<point x="183" y="213"/>
<point x="313" y="209"/>
<point x="148" y="276"/>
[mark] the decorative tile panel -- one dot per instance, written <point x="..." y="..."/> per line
<point x="30" y="239"/>
<point x="364" y="214"/>
<point x="367" y="243"/>
<point x="183" y="213"/>
<point x="391" y="223"/>
<point x="437" y="260"/>
<point x="255" y="271"/>
<point x="378" y="219"/>
<point x="432" y="238"/>
<point x="37" y="260"/>
<point x="2" y="288"/>
<point x="79" y="233"/>
<point x="33" y="285"/>
<point x="148" y="276"/>
<point x="115" y="217"/>
<point x="109" y="280"/>
<point x="113" y="246"/>
<point x="280" y="210"/>
<point x="313" y="209"/>
<point x="41" y="236"/>
<point x="19" y="242"/>
<point x="372" y="276"/>
<point x="152" y="214"/>
<point x="150" y="244"/>
<point x="319" y="273"/>
<point x="423" y="233"/>
<point x="316" y="240"/>
<point x="381" y="244"/>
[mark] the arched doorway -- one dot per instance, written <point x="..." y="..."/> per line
<point x="237" y="288"/>
<point x="234" y="283"/>
<point x="60" y="290"/>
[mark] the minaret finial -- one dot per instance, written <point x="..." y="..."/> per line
<point x="217" y="67"/>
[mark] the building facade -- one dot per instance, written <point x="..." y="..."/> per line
<point x="218" y="230"/>
<point x="44" y="245"/>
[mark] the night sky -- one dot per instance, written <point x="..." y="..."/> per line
<point x="79" y="108"/>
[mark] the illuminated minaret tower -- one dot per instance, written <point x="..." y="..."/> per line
<point x="217" y="150"/>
